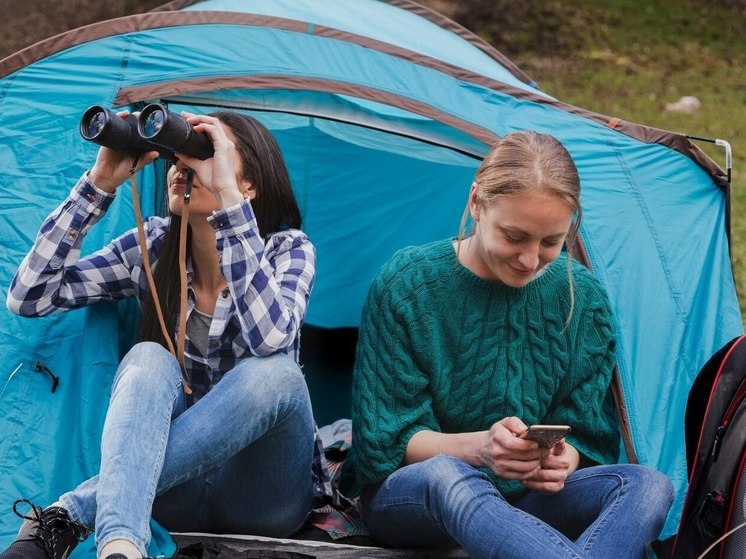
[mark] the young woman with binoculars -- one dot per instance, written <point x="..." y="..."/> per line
<point x="225" y="440"/>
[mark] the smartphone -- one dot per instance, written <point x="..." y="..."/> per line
<point x="546" y="435"/>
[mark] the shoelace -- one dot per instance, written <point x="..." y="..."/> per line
<point x="54" y="522"/>
<point x="51" y="525"/>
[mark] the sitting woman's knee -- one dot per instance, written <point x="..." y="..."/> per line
<point x="149" y="353"/>
<point x="147" y="366"/>
<point x="446" y="474"/>
<point x="654" y="485"/>
<point x="276" y="374"/>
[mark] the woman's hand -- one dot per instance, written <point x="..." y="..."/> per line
<point x="509" y="456"/>
<point x="112" y="167"/>
<point x="561" y="462"/>
<point x="217" y="174"/>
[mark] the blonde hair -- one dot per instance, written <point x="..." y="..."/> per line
<point x="524" y="162"/>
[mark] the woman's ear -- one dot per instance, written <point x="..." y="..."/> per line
<point x="474" y="204"/>
<point x="247" y="189"/>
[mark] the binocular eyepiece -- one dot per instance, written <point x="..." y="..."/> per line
<point x="156" y="129"/>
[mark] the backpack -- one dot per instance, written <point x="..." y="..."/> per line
<point x="715" y="432"/>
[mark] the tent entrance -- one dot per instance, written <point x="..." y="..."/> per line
<point x="327" y="356"/>
<point x="351" y="145"/>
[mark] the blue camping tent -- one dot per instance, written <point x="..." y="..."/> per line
<point x="383" y="109"/>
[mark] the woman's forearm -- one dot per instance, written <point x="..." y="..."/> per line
<point x="426" y="444"/>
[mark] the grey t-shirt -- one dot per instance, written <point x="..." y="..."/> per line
<point x="198" y="328"/>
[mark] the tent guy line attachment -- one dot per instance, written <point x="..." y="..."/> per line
<point x="727" y="187"/>
<point x="41" y="367"/>
<point x="723" y="144"/>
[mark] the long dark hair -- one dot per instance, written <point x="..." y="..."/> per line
<point x="275" y="208"/>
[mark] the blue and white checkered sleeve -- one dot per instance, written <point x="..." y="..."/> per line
<point x="270" y="282"/>
<point x="52" y="277"/>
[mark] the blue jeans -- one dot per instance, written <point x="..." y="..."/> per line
<point x="237" y="461"/>
<point x="603" y="512"/>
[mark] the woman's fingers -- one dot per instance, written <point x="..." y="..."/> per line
<point x="204" y="123"/>
<point x="511" y="457"/>
<point x="145" y="159"/>
<point x="520" y="464"/>
<point x="517" y="469"/>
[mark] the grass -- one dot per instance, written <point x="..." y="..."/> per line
<point x="27" y="22"/>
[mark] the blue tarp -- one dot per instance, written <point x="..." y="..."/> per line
<point x="382" y="116"/>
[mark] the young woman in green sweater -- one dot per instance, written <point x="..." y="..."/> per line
<point x="466" y="342"/>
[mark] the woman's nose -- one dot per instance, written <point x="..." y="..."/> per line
<point x="529" y="258"/>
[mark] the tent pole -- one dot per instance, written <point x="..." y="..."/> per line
<point x="727" y="187"/>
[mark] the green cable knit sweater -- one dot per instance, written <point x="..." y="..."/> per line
<point x="444" y="350"/>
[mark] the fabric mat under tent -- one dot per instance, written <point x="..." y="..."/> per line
<point x="213" y="546"/>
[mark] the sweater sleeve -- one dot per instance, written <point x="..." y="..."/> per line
<point x="390" y="393"/>
<point x="586" y="403"/>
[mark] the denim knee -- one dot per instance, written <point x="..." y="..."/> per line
<point x="427" y="503"/>
<point x="278" y="375"/>
<point x="148" y="367"/>
<point x="444" y="470"/>
<point x="450" y="480"/>
<point x="651" y="490"/>
<point x="653" y="485"/>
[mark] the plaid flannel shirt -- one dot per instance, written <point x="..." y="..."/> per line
<point x="259" y="313"/>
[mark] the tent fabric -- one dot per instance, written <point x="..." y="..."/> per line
<point x="383" y="115"/>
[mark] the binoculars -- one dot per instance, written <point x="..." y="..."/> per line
<point x="156" y="129"/>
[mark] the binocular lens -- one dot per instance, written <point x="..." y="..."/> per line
<point x="161" y="126"/>
<point x="95" y="125"/>
<point x="153" y="123"/>
<point x="156" y="129"/>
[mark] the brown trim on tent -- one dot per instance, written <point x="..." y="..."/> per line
<point x="154" y="20"/>
<point x="467" y="35"/>
<point x="637" y="131"/>
<point x="677" y="142"/>
<point x="158" y="19"/>
<point x="621" y="410"/>
<point x="134" y="23"/>
<point x="175" y="5"/>
<point x="423" y="11"/>
<point x="580" y="254"/>
<point x="129" y="95"/>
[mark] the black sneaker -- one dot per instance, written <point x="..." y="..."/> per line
<point x="46" y="534"/>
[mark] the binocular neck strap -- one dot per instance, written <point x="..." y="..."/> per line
<point x="183" y="278"/>
<point x="149" y="275"/>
